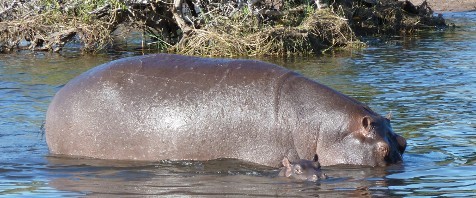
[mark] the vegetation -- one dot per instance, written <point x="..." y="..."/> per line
<point x="318" y="30"/>
<point x="208" y="27"/>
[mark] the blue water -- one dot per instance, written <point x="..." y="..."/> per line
<point x="427" y="82"/>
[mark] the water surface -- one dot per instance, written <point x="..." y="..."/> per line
<point x="427" y="82"/>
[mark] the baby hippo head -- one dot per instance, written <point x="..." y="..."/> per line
<point x="302" y="170"/>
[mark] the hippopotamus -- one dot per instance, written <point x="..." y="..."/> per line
<point x="303" y="169"/>
<point x="173" y="107"/>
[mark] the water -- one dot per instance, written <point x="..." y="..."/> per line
<point x="428" y="83"/>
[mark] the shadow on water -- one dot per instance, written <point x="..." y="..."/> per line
<point x="428" y="82"/>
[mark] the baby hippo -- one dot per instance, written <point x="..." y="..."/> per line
<point x="302" y="170"/>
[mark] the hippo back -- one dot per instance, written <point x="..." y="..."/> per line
<point x="172" y="107"/>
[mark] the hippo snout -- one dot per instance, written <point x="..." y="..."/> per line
<point x="388" y="153"/>
<point x="402" y="144"/>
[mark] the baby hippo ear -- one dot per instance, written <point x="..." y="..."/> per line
<point x="316" y="161"/>
<point x="287" y="167"/>
<point x="286" y="162"/>
<point x="316" y="158"/>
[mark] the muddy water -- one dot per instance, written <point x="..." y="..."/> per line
<point x="427" y="82"/>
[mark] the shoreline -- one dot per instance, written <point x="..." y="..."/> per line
<point x="298" y="28"/>
<point x="448" y="5"/>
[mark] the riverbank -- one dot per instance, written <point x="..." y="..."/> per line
<point x="212" y="28"/>
<point x="449" y="5"/>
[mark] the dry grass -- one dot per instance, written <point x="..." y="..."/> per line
<point x="52" y="33"/>
<point x="222" y="29"/>
<point x="320" y="30"/>
<point x="50" y="28"/>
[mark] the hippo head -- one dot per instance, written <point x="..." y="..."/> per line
<point x="302" y="170"/>
<point x="365" y="138"/>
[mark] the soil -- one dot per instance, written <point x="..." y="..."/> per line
<point x="449" y="5"/>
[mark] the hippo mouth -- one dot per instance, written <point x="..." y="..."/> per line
<point x="392" y="151"/>
<point x="393" y="158"/>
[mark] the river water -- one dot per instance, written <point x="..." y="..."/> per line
<point x="427" y="82"/>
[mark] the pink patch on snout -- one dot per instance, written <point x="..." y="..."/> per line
<point x="383" y="149"/>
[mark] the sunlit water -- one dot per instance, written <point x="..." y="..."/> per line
<point x="428" y="83"/>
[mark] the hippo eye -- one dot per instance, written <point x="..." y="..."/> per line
<point x="298" y="169"/>
<point x="373" y="125"/>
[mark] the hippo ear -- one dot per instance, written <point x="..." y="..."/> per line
<point x="316" y="158"/>
<point x="366" y="123"/>
<point x="286" y="162"/>
<point x="287" y="167"/>
<point x="389" y="116"/>
<point x="316" y="161"/>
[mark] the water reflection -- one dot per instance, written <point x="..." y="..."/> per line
<point x="223" y="177"/>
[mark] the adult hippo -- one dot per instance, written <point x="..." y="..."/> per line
<point x="175" y="107"/>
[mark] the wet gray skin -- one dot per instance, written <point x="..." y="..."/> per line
<point x="302" y="170"/>
<point x="172" y="107"/>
